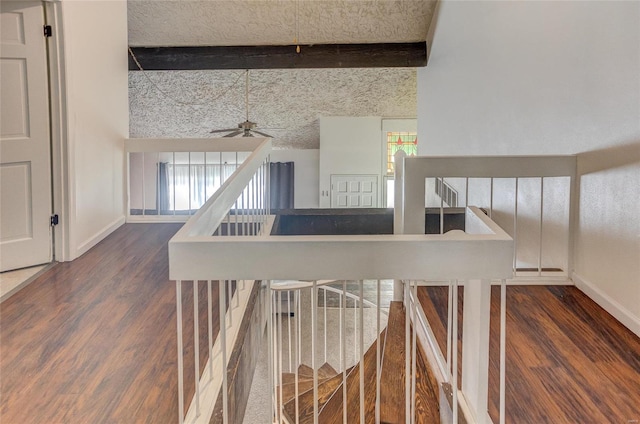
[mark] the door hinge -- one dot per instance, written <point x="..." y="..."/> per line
<point x="48" y="31"/>
<point x="54" y="220"/>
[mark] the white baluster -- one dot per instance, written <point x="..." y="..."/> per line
<point x="210" y="328"/>
<point x="454" y="379"/>
<point x="180" y="352"/>
<point x="223" y="346"/>
<point x="314" y="321"/>
<point x="414" y="351"/>
<point x="361" y="351"/>
<point x="196" y="346"/>
<point x="503" y="349"/>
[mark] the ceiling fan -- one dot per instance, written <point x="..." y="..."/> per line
<point x="246" y="128"/>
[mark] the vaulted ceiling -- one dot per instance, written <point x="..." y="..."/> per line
<point x="191" y="103"/>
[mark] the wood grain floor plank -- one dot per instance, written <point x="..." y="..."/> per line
<point x="568" y="360"/>
<point x="94" y="340"/>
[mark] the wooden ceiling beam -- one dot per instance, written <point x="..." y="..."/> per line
<point x="381" y="55"/>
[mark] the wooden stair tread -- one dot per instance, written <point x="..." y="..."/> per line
<point x="289" y="389"/>
<point x="305" y="371"/>
<point x="305" y="400"/>
<point x="326" y="371"/>
<point x="392" y="378"/>
<point x="427" y="391"/>
<point x="289" y="377"/>
<point x="332" y="412"/>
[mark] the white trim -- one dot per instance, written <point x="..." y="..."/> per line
<point x="59" y="148"/>
<point x="609" y="304"/>
<point x="536" y="281"/>
<point x="544" y="281"/>
<point x="429" y="344"/>
<point x="158" y="219"/>
<point x="99" y="236"/>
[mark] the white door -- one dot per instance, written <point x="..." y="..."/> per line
<point x="25" y="164"/>
<point x="354" y="191"/>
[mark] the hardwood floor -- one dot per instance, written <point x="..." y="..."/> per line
<point x="568" y="361"/>
<point x="94" y="340"/>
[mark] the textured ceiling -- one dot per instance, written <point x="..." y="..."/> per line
<point x="192" y="103"/>
<point x="276" y="22"/>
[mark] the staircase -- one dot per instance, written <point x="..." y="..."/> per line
<point x="331" y="391"/>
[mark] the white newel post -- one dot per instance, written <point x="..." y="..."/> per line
<point x="475" y="347"/>
<point x="398" y="212"/>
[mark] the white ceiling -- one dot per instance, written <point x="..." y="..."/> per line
<point x="276" y="22"/>
<point x="191" y="103"/>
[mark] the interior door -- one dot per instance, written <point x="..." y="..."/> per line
<point x="354" y="191"/>
<point x="25" y="164"/>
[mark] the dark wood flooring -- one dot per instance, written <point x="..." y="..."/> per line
<point x="94" y="340"/>
<point x="568" y="360"/>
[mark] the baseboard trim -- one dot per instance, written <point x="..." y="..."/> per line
<point x="519" y="281"/>
<point x="99" y="236"/>
<point x="618" y="311"/>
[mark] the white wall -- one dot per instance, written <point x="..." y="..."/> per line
<point x="518" y="78"/>
<point x="306" y="175"/>
<point x="349" y="145"/>
<point x="97" y="117"/>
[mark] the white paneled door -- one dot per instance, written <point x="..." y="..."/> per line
<point x="25" y="164"/>
<point x="354" y="191"/>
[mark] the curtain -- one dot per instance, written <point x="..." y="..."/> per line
<point x="190" y="186"/>
<point x="162" y="196"/>
<point x="281" y="185"/>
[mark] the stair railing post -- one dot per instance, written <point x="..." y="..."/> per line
<point x="475" y="342"/>
<point x="398" y="211"/>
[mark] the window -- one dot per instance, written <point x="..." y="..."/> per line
<point x="406" y="141"/>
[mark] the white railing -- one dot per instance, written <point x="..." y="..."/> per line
<point x="269" y="257"/>
<point x="501" y="185"/>
<point x="170" y="179"/>
<point x="238" y="209"/>
<point x="531" y="197"/>
<point x="219" y="244"/>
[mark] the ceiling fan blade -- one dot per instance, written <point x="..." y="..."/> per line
<point x="233" y="134"/>
<point x="262" y="134"/>
<point x="225" y="130"/>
